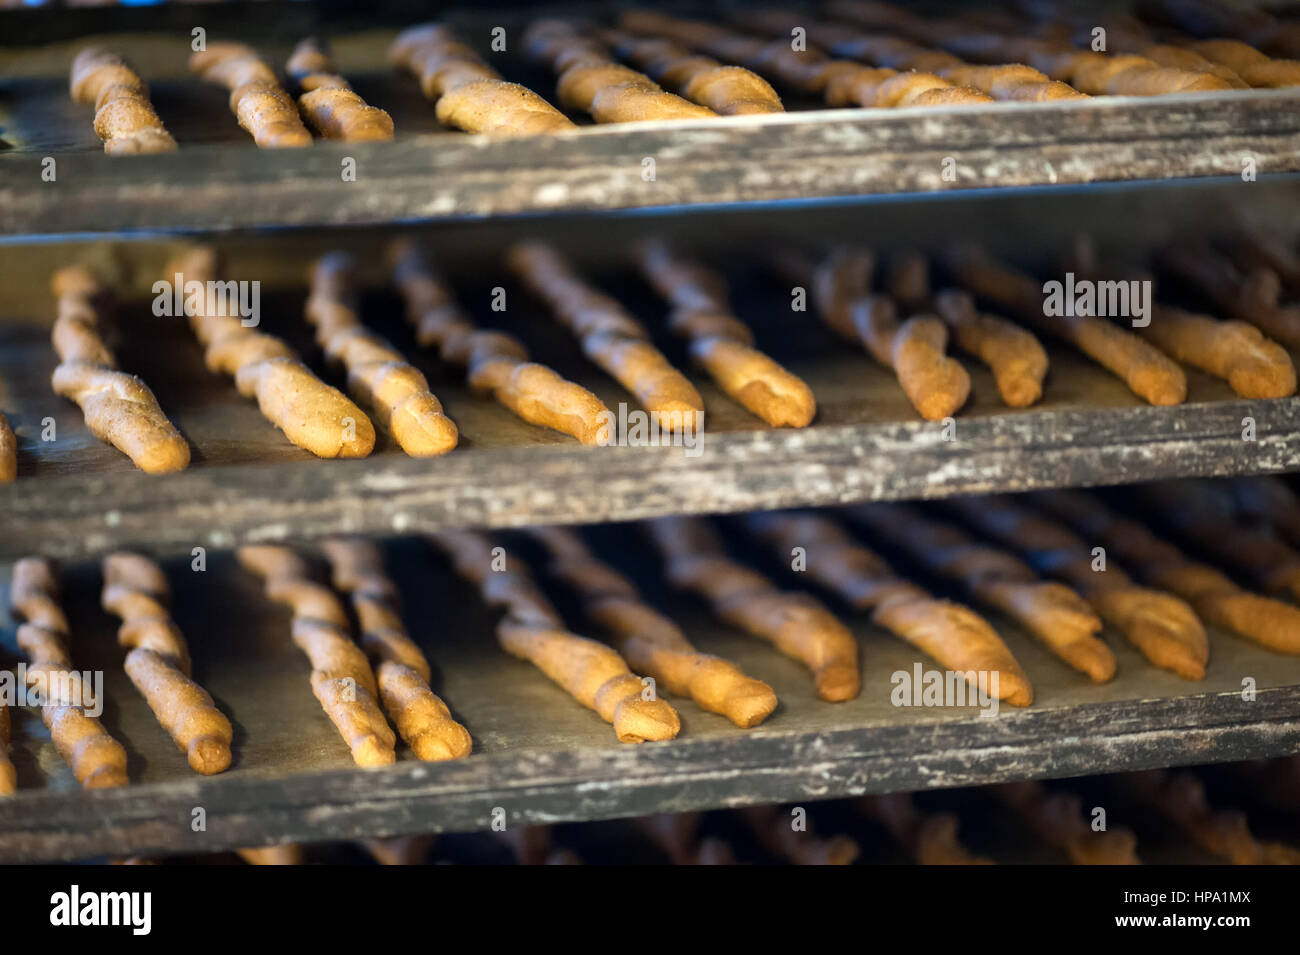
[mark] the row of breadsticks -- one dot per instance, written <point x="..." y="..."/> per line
<point x="1057" y="564"/>
<point x="655" y="66"/>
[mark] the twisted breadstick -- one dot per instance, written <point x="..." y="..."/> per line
<point x="8" y="452"/>
<point x="96" y="759"/>
<point x="257" y="99"/>
<point x="119" y="408"/>
<point x="124" y="117"/>
<point x="722" y="343"/>
<point x="377" y="373"/>
<point x="422" y="719"/>
<point x="929" y="838"/>
<point x="797" y="624"/>
<point x="778" y="836"/>
<point x="1052" y="612"/>
<point x="311" y="414"/>
<point x="328" y="103"/>
<point x="494" y="361"/>
<point x="591" y="80"/>
<point x="1057" y="819"/>
<point x="1162" y="627"/>
<point x="341" y="678"/>
<point x="592" y="673"/>
<point x="650" y="641"/>
<point x="468" y="93"/>
<point x="1256" y="68"/>
<point x="1013" y="354"/>
<point x="955" y="636"/>
<point x="8" y="774"/>
<point x="1265" y="621"/>
<point x="1251" y="297"/>
<point x="610" y="337"/>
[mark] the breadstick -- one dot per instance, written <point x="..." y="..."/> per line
<point x="650" y="641"/>
<point x="494" y="361"/>
<point x="469" y="94"/>
<point x="929" y="838"/>
<point x="313" y="415"/>
<point x="722" y="343"/>
<point x="119" y="408"/>
<point x="8" y="452"/>
<point x="954" y="636"/>
<point x="796" y="624"/>
<point x="341" y="678"/>
<point x="96" y="759"/>
<point x="1161" y="626"/>
<point x="592" y="673"/>
<point x="257" y="99"/>
<point x="8" y="774"/>
<point x="421" y="718"/>
<point x="1204" y="18"/>
<point x="777" y="834"/>
<point x="610" y="337"/>
<point x="1256" y="68"/>
<point x="1217" y="599"/>
<point x="1013" y="354"/>
<point x="124" y="117"/>
<point x="377" y="373"/>
<point x="1052" y="612"/>
<point x="592" y="81"/>
<point x="288" y="854"/>
<point x="328" y="103"/>
<point x="1057" y="819"/>
<point x="1251" y="297"/>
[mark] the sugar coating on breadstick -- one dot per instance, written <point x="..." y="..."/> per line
<point x="1014" y="355"/>
<point x="592" y="673"/>
<point x="930" y="838"/>
<point x="610" y="337"/>
<point x="124" y="116"/>
<point x="722" y="343"/>
<point x="377" y="373"/>
<point x="312" y="414"/>
<point x="796" y="623"/>
<point x="494" y="361"/>
<point x="8" y="452"/>
<point x="257" y="99"/>
<point x="341" y="679"/>
<point x="8" y="774"/>
<point x="1057" y="818"/>
<point x="328" y="103"/>
<point x="119" y="408"/>
<point x="469" y="94"/>
<point x="97" y="760"/>
<point x="651" y="642"/>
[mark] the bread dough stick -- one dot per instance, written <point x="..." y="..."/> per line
<point x="394" y="389"/>
<point x="1162" y="627"/>
<point x="469" y="94"/>
<point x="1256" y="68"/>
<point x="796" y="624"/>
<point x="592" y="81"/>
<point x="1052" y="612"/>
<point x="929" y="838"/>
<point x="772" y="827"/>
<point x="124" y="117"/>
<point x="1263" y="620"/>
<point x="494" y="361"/>
<point x="1014" y="355"/>
<point x="8" y="774"/>
<point x="312" y="415"/>
<point x="257" y="99"/>
<point x="1270" y="500"/>
<point x="591" y="672"/>
<point x="8" y="452"/>
<point x="1251" y="297"/>
<point x="955" y="636"/>
<point x="328" y="103"/>
<point x="722" y="343"/>
<point x="341" y="678"/>
<point x="119" y="408"/>
<point x="610" y="337"/>
<point x="651" y="642"/>
<point x="96" y="759"/>
<point x="421" y="717"/>
<point x="1057" y="818"/>
<point x="1147" y="371"/>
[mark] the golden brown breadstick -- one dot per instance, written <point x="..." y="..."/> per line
<point x="257" y="99"/>
<point x="1057" y="818"/>
<point x="1163" y="627"/>
<point x="1256" y="68"/>
<point x="1013" y="354"/>
<point x="119" y="408"/>
<point x="591" y="672"/>
<point x="124" y="117"/>
<point x="468" y="93"/>
<point x="8" y="452"/>
<point x="610" y="337"/>
<point x="8" y="774"/>
<point x="1051" y="612"/>
<point x="328" y="103"/>
<point x="722" y="343"/>
<point x="135" y="590"/>
<point x="341" y="678"/>
<point x="312" y="415"/>
<point x="494" y="361"/>
<point x="929" y="838"/>
<point x="775" y="830"/>
<point x="377" y="373"/>
<point x="650" y="641"/>
<point x="592" y="81"/>
<point x="1251" y="297"/>
<point x="796" y="623"/>
<point x="97" y="760"/>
